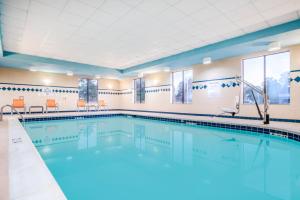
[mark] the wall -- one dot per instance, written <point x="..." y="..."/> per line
<point x="214" y="88"/>
<point x="36" y="87"/>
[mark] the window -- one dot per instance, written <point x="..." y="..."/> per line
<point x="139" y="90"/>
<point x="270" y="73"/>
<point x="88" y="90"/>
<point x="182" y="86"/>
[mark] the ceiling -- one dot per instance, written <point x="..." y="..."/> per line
<point x="100" y="36"/>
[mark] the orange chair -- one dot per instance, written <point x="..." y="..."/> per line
<point x="81" y="104"/>
<point x="19" y="103"/>
<point x="102" y="104"/>
<point x="50" y="103"/>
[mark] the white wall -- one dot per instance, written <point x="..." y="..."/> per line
<point x="119" y="94"/>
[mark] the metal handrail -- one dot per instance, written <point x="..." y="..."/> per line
<point x="260" y="91"/>
<point x="13" y="109"/>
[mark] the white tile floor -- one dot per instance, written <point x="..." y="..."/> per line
<point x="28" y="176"/>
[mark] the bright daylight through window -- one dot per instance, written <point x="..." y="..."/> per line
<point x="182" y="86"/>
<point x="88" y="90"/>
<point x="271" y="73"/>
<point x="139" y="90"/>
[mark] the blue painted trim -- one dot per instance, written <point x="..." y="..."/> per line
<point x="27" y="61"/>
<point x="275" y="30"/>
<point x="268" y="131"/>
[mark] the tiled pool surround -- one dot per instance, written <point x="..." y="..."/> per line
<point x="254" y="128"/>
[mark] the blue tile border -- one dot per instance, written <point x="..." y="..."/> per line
<point x="268" y="131"/>
<point x="175" y="113"/>
<point x="211" y="115"/>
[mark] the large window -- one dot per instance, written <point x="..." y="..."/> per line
<point x="182" y="86"/>
<point x="88" y="90"/>
<point x="139" y="90"/>
<point x="270" y="73"/>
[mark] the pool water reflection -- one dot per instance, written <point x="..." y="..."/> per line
<point x="130" y="158"/>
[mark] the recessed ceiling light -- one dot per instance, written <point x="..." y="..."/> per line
<point x="69" y="73"/>
<point x="274" y="46"/>
<point x="206" y="60"/>
<point x="32" y="69"/>
<point x="97" y="76"/>
<point x="166" y="70"/>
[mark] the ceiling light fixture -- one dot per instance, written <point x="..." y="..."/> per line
<point x="274" y="46"/>
<point x="206" y="60"/>
<point x="69" y="73"/>
<point x="32" y="69"/>
<point x="97" y="76"/>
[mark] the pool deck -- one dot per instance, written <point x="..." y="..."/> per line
<point x="24" y="175"/>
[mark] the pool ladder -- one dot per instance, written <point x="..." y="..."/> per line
<point x="12" y="109"/>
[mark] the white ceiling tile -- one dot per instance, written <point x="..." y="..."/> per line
<point x="228" y="5"/>
<point x="132" y="3"/>
<point x="249" y="21"/>
<point x="116" y="8"/>
<point x="102" y="18"/>
<point x="284" y="18"/>
<point x="255" y="27"/>
<point x="246" y="10"/>
<point x="263" y="5"/>
<point x="42" y="11"/>
<point x="206" y="14"/>
<point x="10" y="21"/>
<point x="20" y="4"/>
<point x="278" y="11"/>
<point x="78" y="8"/>
<point x="13" y="12"/>
<point x="191" y="6"/>
<point x="58" y="4"/>
<point x="153" y="7"/>
<point x="170" y="15"/>
<point x="93" y="3"/>
<point x="120" y="33"/>
<point x="71" y="19"/>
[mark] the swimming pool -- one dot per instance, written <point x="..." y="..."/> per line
<point x="131" y="158"/>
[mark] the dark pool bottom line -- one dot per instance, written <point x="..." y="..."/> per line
<point x="268" y="131"/>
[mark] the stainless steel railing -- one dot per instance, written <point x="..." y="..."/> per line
<point x="13" y="109"/>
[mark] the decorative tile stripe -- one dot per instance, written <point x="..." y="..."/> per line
<point x="296" y="79"/>
<point x="267" y="131"/>
<point x="199" y="87"/>
<point x="53" y="89"/>
<point x="230" y="84"/>
<point x="35" y="89"/>
<point x="159" y="88"/>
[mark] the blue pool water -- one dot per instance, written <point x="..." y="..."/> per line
<point x="138" y="159"/>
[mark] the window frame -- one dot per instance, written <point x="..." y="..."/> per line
<point x="183" y="84"/>
<point x="264" y="75"/>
